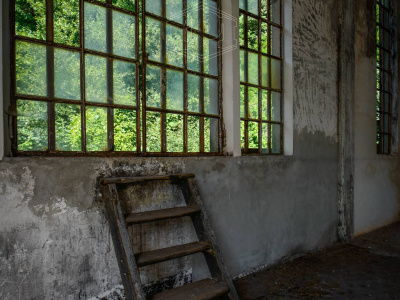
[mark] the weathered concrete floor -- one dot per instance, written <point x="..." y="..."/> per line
<point x="366" y="268"/>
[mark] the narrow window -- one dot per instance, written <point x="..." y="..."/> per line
<point x="261" y="76"/>
<point x="383" y="77"/>
<point x="87" y="80"/>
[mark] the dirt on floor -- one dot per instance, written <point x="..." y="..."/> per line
<point x="366" y="268"/>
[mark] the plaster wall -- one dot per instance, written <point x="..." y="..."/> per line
<point x="377" y="198"/>
<point x="54" y="239"/>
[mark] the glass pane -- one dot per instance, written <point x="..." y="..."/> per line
<point x="252" y="6"/>
<point x="153" y="86"/>
<point x="386" y="60"/>
<point x="386" y="101"/>
<point x="386" y="123"/>
<point x="174" y="90"/>
<point x="174" y="126"/>
<point x="96" y="78"/>
<point x="193" y="11"/>
<point x="253" y="102"/>
<point x="153" y="39"/>
<point x="253" y="68"/>
<point x="253" y="135"/>
<point x="125" y="130"/>
<point x="210" y="56"/>
<point x="264" y="138"/>
<point x="242" y="137"/>
<point x="174" y="10"/>
<point x="96" y="129"/>
<point x="174" y="55"/>
<point x="242" y="101"/>
<point x="126" y="4"/>
<point x="66" y="22"/>
<point x="386" y="143"/>
<point x="124" y="83"/>
<point x="30" y="18"/>
<point x="242" y="66"/>
<point x="123" y="34"/>
<point x="276" y="106"/>
<point x="31" y="71"/>
<point x="193" y="55"/>
<point x="210" y="17"/>
<point x="241" y="30"/>
<point x="95" y="27"/>
<point x="210" y="135"/>
<point x="153" y="131"/>
<point x="275" y="11"/>
<point x="264" y="71"/>
<point x="211" y="96"/>
<point x="67" y="74"/>
<point x="252" y="33"/>
<point x="153" y="6"/>
<point x="264" y="105"/>
<point x="193" y="82"/>
<point x="264" y="37"/>
<point x="68" y="127"/>
<point x="32" y="125"/>
<point x="264" y="9"/>
<point x="242" y="4"/>
<point x="275" y="74"/>
<point x="193" y="134"/>
<point x="275" y="138"/>
<point x="276" y="41"/>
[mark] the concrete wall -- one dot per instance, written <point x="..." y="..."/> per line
<point x="377" y="197"/>
<point x="54" y="239"/>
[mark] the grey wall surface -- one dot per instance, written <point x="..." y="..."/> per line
<point x="377" y="197"/>
<point x="54" y="239"/>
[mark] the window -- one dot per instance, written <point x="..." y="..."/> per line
<point x="261" y="76"/>
<point x="384" y="77"/>
<point x="87" y="80"/>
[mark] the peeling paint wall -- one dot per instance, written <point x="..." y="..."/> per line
<point x="377" y="177"/>
<point x="54" y="239"/>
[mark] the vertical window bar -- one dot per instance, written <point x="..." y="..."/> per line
<point x="82" y="79"/>
<point x="110" y="85"/>
<point x="185" y="84"/>
<point x="138" y="73"/>
<point x="164" y="78"/>
<point x="144" y="67"/>
<point x="201" y="92"/>
<point x="50" y="75"/>
<point x="259" y="80"/>
<point x="269" y="39"/>
<point x="14" y="121"/>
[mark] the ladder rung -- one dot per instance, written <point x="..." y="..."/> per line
<point x="201" y="290"/>
<point x="145" y="178"/>
<point x="156" y="256"/>
<point x="157" y="215"/>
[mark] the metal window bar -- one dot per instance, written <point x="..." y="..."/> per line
<point x="246" y="119"/>
<point x="51" y="100"/>
<point x="165" y="66"/>
<point x="384" y="76"/>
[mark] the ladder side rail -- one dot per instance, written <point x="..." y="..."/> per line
<point x="205" y="232"/>
<point x="126" y="260"/>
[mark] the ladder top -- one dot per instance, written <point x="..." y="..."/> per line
<point x="114" y="180"/>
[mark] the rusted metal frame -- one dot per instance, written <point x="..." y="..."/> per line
<point x="137" y="78"/>
<point x="75" y="49"/>
<point x="110" y="80"/>
<point x="144" y="82"/>
<point x="163" y="79"/>
<point x="262" y="87"/>
<point x="109" y="154"/>
<point x="51" y="123"/>
<point x="262" y="121"/>
<point x="282" y="71"/>
<point x="111" y="6"/>
<point x="173" y="111"/>
<point x="201" y="91"/>
<point x="388" y="30"/>
<point x="262" y="53"/>
<point x="382" y="7"/>
<point x="250" y="14"/>
<point x="269" y="42"/>
<point x="221" y="132"/>
<point x="259" y="79"/>
<point x="13" y="101"/>
<point x="119" y="231"/>
<point x="82" y="73"/>
<point x="182" y="26"/>
<point x="181" y="69"/>
<point x="185" y="81"/>
<point x="246" y="79"/>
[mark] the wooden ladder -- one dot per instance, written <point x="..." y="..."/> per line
<point x="220" y="286"/>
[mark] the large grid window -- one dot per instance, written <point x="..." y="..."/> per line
<point x="261" y="76"/>
<point x="87" y="80"/>
<point x="383" y="77"/>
